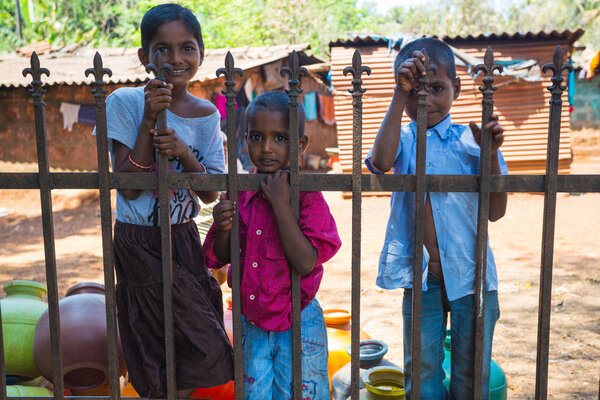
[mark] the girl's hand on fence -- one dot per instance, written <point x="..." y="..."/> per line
<point x="277" y="189"/>
<point x="223" y="214"/>
<point x="409" y="72"/>
<point x="157" y="97"/>
<point x="168" y="143"/>
<point x="494" y="127"/>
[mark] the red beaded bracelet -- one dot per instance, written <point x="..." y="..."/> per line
<point x="139" y="165"/>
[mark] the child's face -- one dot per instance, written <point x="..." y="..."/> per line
<point x="179" y="48"/>
<point x="269" y="141"/>
<point x="443" y="91"/>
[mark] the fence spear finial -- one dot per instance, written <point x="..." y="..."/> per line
<point x="557" y="67"/>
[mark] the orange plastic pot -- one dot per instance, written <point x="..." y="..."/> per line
<point x="338" y="339"/>
<point x="222" y="392"/>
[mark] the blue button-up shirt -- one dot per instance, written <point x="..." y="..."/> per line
<point x="451" y="150"/>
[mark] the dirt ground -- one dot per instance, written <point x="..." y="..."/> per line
<point x="516" y="240"/>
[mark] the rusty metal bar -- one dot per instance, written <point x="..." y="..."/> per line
<point x="357" y="91"/>
<point x="308" y="182"/>
<point x="543" y="342"/>
<point x="106" y="221"/>
<point x="294" y="72"/>
<point x="483" y="213"/>
<point x="39" y="107"/>
<point x="419" y="188"/>
<point x="234" y="239"/>
<point x="159" y="68"/>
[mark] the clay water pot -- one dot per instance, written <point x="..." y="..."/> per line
<point x="21" y="310"/>
<point x="83" y="339"/>
<point x="338" y="339"/>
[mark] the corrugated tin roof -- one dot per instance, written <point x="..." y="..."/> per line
<point x="69" y="67"/>
<point x="374" y="39"/>
<point x="523" y="107"/>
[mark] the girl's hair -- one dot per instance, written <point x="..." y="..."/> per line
<point x="276" y="101"/>
<point x="164" y="13"/>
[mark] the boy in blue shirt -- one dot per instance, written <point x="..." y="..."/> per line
<point x="450" y="222"/>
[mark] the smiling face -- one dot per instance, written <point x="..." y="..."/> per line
<point x="269" y="141"/>
<point x="442" y="93"/>
<point x="179" y="48"/>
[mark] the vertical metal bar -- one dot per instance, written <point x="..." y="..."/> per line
<point x="106" y="220"/>
<point x="2" y="365"/>
<point x="483" y="213"/>
<point x="417" y="292"/>
<point x="357" y="91"/>
<point x="550" y="183"/>
<point x="160" y="68"/>
<point x="234" y="238"/>
<point x="295" y="71"/>
<point x="39" y="107"/>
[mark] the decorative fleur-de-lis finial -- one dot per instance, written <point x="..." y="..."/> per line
<point x="423" y="88"/>
<point x="36" y="73"/>
<point x="488" y="67"/>
<point x="229" y="72"/>
<point x="159" y="67"/>
<point x="98" y="71"/>
<point x="557" y="67"/>
<point x="294" y="72"/>
<point x="357" y="69"/>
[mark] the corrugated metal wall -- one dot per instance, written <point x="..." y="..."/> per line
<point x="523" y="107"/>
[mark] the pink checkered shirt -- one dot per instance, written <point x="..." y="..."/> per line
<point x="266" y="282"/>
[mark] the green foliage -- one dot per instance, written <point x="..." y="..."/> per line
<point x="235" y="23"/>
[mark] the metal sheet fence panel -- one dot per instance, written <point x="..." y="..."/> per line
<point x="234" y="242"/>
<point x="106" y="221"/>
<point x="160" y="69"/>
<point x="420" y="183"/>
<point x="39" y="106"/>
<point x="483" y="213"/>
<point x="357" y="91"/>
<point x="295" y="72"/>
<point x="543" y="339"/>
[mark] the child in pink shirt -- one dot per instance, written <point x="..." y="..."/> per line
<point x="271" y="243"/>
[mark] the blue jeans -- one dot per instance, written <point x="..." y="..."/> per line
<point x="435" y="308"/>
<point x="268" y="372"/>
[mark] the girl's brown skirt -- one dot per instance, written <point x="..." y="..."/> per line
<point x="202" y="350"/>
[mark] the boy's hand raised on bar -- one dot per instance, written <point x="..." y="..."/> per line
<point x="494" y="127"/>
<point x="277" y="189"/>
<point x="223" y="214"/>
<point x="409" y="72"/>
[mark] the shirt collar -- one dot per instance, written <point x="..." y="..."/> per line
<point x="442" y="128"/>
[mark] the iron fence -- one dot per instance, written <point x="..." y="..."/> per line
<point x="550" y="184"/>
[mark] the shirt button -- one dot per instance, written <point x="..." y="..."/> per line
<point x="252" y="297"/>
<point x="428" y="133"/>
<point x="258" y="232"/>
<point x="255" y="264"/>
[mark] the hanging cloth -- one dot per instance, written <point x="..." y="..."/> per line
<point x="310" y="105"/>
<point x="326" y="109"/>
<point x="70" y="114"/>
